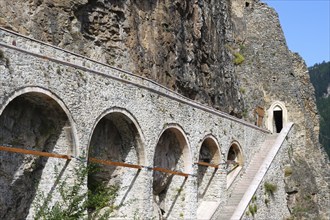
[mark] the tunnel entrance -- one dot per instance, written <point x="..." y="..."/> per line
<point x="277" y="117"/>
<point x="278" y="120"/>
<point x="115" y="138"/>
<point x="31" y="121"/>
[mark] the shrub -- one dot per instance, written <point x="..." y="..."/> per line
<point x="75" y="201"/>
<point x="270" y="188"/>
<point x="253" y="209"/>
<point x="287" y="171"/>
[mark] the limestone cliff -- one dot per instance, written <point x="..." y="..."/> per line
<point x="180" y="44"/>
<point x="231" y="55"/>
<point x="270" y="72"/>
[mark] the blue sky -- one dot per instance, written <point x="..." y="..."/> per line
<point x="306" y="27"/>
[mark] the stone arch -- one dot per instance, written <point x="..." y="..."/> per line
<point x="35" y="119"/>
<point x="234" y="162"/>
<point x="117" y="137"/>
<point x="208" y="180"/>
<point x="172" y="153"/>
<point x="277" y="117"/>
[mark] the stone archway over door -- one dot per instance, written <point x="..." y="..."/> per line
<point x="277" y="117"/>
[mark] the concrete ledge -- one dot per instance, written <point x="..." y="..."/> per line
<point x="206" y="209"/>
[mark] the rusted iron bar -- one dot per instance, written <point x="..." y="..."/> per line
<point x="33" y="152"/>
<point x="207" y="164"/>
<point x="170" y="171"/>
<point x="112" y="163"/>
<point x="235" y="166"/>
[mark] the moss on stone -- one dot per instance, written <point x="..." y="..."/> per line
<point x="239" y="59"/>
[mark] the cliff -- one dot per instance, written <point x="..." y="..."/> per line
<point x="269" y="73"/>
<point x="231" y="55"/>
<point x="177" y="43"/>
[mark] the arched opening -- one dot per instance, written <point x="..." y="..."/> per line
<point x="171" y="153"/>
<point x="234" y="162"/>
<point x="208" y="178"/>
<point x="31" y="121"/>
<point x="278" y="119"/>
<point x="116" y="138"/>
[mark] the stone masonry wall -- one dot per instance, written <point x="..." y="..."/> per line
<point x="270" y="199"/>
<point x="87" y="96"/>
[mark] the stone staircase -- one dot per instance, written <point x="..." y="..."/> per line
<point x="246" y="180"/>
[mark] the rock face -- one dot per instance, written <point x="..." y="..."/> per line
<point x="230" y="55"/>
<point x="270" y="72"/>
<point x="180" y="44"/>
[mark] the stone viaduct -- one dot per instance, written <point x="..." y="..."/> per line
<point x="55" y="101"/>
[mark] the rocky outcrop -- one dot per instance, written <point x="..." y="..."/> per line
<point x="269" y="73"/>
<point x="180" y="44"/>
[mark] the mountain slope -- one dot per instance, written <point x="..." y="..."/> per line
<point x="320" y="78"/>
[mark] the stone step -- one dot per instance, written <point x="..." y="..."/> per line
<point x="247" y="178"/>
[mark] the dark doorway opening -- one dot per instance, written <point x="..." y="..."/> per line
<point x="278" y="118"/>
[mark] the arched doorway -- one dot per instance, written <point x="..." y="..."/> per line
<point x="234" y="162"/>
<point x="208" y="177"/>
<point x="171" y="153"/>
<point x="32" y="120"/>
<point x="116" y="138"/>
<point x="277" y="117"/>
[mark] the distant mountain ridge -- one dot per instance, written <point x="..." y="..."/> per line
<point x="320" y="78"/>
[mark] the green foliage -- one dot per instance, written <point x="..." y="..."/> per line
<point x="253" y="209"/>
<point x="287" y="171"/>
<point x="245" y="113"/>
<point x="101" y="199"/>
<point x="242" y="90"/>
<point x="239" y="59"/>
<point x="270" y="188"/>
<point x="320" y="78"/>
<point x="75" y="201"/>
<point x="267" y="201"/>
<point x="323" y="105"/>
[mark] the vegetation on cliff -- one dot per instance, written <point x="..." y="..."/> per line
<point x="320" y="78"/>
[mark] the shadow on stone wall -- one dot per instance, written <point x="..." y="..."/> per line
<point x="31" y="121"/>
<point x="209" y="153"/>
<point x="169" y="154"/>
<point x="115" y="138"/>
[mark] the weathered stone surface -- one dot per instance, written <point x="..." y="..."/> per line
<point x="270" y="73"/>
<point x="180" y="44"/>
<point x="87" y="97"/>
<point x="189" y="46"/>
